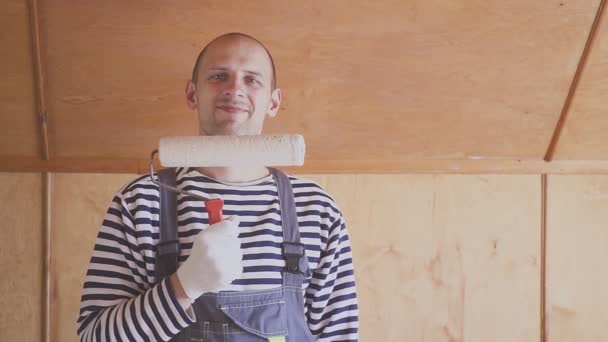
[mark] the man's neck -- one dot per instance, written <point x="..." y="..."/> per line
<point x="235" y="174"/>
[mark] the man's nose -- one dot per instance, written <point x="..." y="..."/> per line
<point x="234" y="87"/>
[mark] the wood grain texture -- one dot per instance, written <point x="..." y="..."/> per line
<point x="21" y="247"/>
<point x="18" y="118"/>
<point x="577" y="276"/>
<point x="389" y="80"/>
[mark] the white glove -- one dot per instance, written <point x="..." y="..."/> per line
<point x="215" y="259"/>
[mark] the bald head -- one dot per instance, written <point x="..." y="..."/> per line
<point x="235" y="37"/>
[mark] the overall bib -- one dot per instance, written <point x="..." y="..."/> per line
<point x="247" y="316"/>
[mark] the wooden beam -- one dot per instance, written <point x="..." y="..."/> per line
<point x="543" y="259"/>
<point x="86" y="165"/>
<point x="575" y="82"/>
<point x="47" y="296"/>
<point x="368" y="166"/>
<point x="39" y="79"/>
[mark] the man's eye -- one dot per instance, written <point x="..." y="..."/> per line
<point x="217" y="77"/>
<point x="254" y="80"/>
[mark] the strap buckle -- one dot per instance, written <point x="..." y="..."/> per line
<point x="167" y="248"/>
<point x="293" y="253"/>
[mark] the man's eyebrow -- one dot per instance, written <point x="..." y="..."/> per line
<point x="254" y="73"/>
<point x="220" y="68"/>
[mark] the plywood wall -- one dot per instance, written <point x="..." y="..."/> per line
<point x="438" y="257"/>
<point x="577" y="257"/>
<point x="79" y="203"/>
<point x="21" y="246"/>
<point x="444" y="258"/>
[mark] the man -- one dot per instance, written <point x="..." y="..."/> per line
<point x="233" y="89"/>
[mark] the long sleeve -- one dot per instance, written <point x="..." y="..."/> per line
<point x="331" y="297"/>
<point x="121" y="300"/>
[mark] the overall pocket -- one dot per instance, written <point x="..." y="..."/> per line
<point x="261" y="318"/>
<point x="251" y="321"/>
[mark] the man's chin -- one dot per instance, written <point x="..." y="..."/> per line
<point x="225" y="130"/>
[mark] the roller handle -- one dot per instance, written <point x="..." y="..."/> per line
<point x="214" y="210"/>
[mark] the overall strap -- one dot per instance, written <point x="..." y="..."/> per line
<point x="167" y="249"/>
<point x="293" y="250"/>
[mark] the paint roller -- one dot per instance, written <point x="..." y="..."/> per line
<point x="226" y="151"/>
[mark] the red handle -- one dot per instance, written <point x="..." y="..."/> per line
<point x="214" y="210"/>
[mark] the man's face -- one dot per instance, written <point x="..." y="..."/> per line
<point x="233" y="94"/>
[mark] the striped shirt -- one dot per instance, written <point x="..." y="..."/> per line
<point x="123" y="300"/>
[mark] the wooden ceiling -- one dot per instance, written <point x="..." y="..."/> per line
<point x="383" y="86"/>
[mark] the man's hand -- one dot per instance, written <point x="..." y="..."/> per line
<point x="215" y="260"/>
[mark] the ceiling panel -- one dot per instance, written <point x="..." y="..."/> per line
<point x="585" y="134"/>
<point x="386" y="80"/>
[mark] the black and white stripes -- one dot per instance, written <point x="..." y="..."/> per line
<point x="123" y="301"/>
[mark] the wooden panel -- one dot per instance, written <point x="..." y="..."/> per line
<point x="383" y="80"/>
<point x="18" y="118"/>
<point x="79" y="203"/>
<point x="21" y="245"/>
<point x="444" y="258"/>
<point x="584" y="135"/>
<point x="577" y="276"/>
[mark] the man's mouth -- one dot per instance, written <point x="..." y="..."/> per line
<point x="231" y="109"/>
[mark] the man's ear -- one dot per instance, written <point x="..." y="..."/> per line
<point x="191" y="95"/>
<point x="275" y="103"/>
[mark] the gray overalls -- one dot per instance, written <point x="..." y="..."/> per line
<point x="265" y="315"/>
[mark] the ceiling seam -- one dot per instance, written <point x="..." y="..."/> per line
<point x="550" y="153"/>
